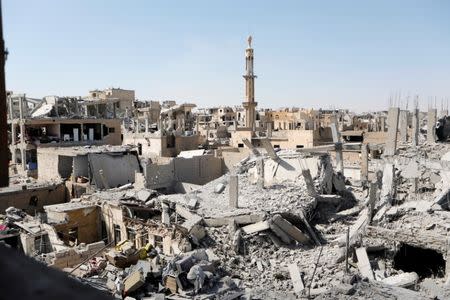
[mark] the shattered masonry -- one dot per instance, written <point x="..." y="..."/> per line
<point x="150" y="200"/>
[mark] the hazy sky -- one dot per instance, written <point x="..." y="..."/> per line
<point x="349" y="54"/>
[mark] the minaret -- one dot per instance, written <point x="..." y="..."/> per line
<point x="249" y="104"/>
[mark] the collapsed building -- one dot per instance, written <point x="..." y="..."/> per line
<point x="330" y="205"/>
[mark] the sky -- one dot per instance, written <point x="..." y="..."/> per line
<point x="311" y="54"/>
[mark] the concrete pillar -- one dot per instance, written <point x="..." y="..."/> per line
<point x="383" y="124"/>
<point x="260" y="171"/>
<point x="165" y="217"/>
<point x="13" y="142"/>
<point x="234" y="191"/>
<point x="11" y="110"/>
<point x="20" y="107"/>
<point x="364" y="163"/>
<point x="339" y="158"/>
<point x="197" y="126"/>
<point x="431" y="127"/>
<point x="23" y="153"/>
<point x="269" y="129"/>
<point x="146" y="122"/>
<point x="101" y="132"/>
<point x="391" y="141"/>
<point x="309" y="182"/>
<point x="415" y="128"/>
<point x="403" y="124"/>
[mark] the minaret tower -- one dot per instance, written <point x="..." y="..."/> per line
<point x="249" y="104"/>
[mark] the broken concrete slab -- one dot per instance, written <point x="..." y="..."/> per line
<point x="364" y="264"/>
<point x="256" y="227"/>
<point x="402" y="280"/>
<point x="296" y="278"/>
<point x="290" y="229"/>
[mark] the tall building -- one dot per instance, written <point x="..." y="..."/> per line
<point x="249" y="104"/>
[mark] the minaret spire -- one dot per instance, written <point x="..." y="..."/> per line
<point x="249" y="104"/>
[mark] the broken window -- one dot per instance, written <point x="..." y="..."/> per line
<point x="240" y="145"/>
<point x="131" y="233"/>
<point x="144" y="238"/>
<point x="33" y="201"/>
<point x="158" y="241"/>
<point x="73" y="234"/>
<point x="117" y="234"/>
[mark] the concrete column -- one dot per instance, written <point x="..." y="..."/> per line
<point x="13" y="142"/>
<point x="20" y="107"/>
<point x="383" y="124"/>
<point x="431" y="127"/>
<point x="260" y="171"/>
<point x="11" y="110"/>
<point x="309" y="182"/>
<point x="146" y="122"/>
<point x="101" y="132"/>
<point x="415" y="127"/>
<point x="391" y="141"/>
<point x="23" y="145"/>
<point x="364" y="163"/>
<point x="234" y="191"/>
<point x="269" y="129"/>
<point x="339" y="158"/>
<point x="403" y="124"/>
<point x="165" y="216"/>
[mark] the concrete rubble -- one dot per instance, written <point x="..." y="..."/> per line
<point x="212" y="205"/>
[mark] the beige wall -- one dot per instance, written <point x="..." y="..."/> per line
<point x="195" y="170"/>
<point x="156" y="146"/>
<point x="53" y="194"/>
<point x="85" y="219"/>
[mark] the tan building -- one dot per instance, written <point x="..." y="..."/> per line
<point x="125" y="98"/>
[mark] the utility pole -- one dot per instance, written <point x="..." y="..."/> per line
<point x="4" y="153"/>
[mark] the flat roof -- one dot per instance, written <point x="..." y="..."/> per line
<point x="68" y="206"/>
<point x="83" y="150"/>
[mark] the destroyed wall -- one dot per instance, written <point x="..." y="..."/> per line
<point x="195" y="170"/>
<point x="238" y="135"/>
<point x="112" y="216"/>
<point x="375" y="137"/>
<point x="232" y="156"/>
<point x="81" y="224"/>
<point x="117" y="168"/>
<point x="32" y="199"/>
<point x="49" y="164"/>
